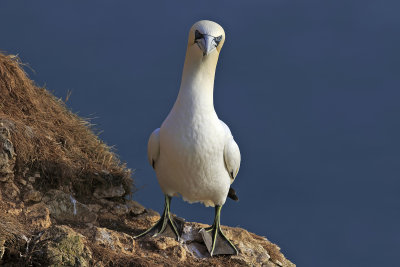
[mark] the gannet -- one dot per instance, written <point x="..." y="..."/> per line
<point x="193" y="152"/>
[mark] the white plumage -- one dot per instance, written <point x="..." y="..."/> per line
<point x="193" y="152"/>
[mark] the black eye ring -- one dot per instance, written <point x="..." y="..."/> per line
<point x="218" y="39"/>
<point x="197" y="35"/>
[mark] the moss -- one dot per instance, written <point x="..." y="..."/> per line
<point x="68" y="249"/>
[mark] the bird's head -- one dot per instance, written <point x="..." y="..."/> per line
<point x="206" y="38"/>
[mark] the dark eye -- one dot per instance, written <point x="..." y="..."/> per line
<point x="197" y="35"/>
<point x="218" y="39"/>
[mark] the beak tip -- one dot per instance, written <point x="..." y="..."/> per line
<point x="207" y="45"/>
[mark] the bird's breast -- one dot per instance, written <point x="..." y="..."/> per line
<point x="196" y="137"/>
<point x="191" y="159"/>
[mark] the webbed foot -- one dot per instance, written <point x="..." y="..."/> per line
<point x="167" y="225"/>
<point x="215" y="240"/>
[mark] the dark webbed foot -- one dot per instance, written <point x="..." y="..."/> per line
<point x="215" y="240"/>
<point x="168" y="225"/>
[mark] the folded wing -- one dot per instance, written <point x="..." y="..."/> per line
<point x="231" y="154"/>
<point x="232" y="158"/>
<point x="153" y="147"/>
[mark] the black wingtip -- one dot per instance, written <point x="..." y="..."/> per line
<point x="232" y="194"/>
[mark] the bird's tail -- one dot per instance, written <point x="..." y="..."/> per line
<point x="232" y="194"/>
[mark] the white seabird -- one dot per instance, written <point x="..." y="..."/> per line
<point x="193" y="152"/>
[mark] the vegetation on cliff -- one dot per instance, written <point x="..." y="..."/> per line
<point x="65" y="196"/>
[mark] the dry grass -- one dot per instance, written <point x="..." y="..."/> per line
<point x="12" y="231"/>
<point x="10" y="226"/>
<point x="52" y="140"/>
<point x="111" y="258"/>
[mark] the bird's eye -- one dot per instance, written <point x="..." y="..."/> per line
<point x="218" y="39"/>
<point x="197" y="35"/>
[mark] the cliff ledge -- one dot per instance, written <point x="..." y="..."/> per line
<point x="65" y="196"/>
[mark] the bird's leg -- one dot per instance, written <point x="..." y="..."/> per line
<point x="216" y="242"/>
<point x="167" y="225"/>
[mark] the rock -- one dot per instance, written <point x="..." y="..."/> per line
<point x="64" y="208"/>
<point x="109" y="192"/>
<point x="38" y="216"/>
<point x="158" y="243"/>
<point x="112" y="243"/>
<point x="106" y="202"/>
<point x="269" y="264"/>
<point x="120" y="209"/>
<point x="94" y="207"/>
<point x="255" y="248"/>
<point x="66" y="248"/>
<point x="31" y="179"/>
<point x="263" y="257"/>
<point x="193" y="242"/>
<point x="7" y="153"/>
<point x="32" y="196"/>
<point x="119" y="242"/>
<point x="180" y="253"/>
<point x="191" y="233"/>
<point x="148" y="218"/>
<point x="15" y="211"/>
<point x="134" y="207"/>
<point x="10" y="190"/>
<point x="197" y="250"/>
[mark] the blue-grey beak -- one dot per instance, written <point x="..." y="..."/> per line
<point x="207" y="43"/>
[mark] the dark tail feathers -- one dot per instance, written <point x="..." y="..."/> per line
<point x="232" y="194"/>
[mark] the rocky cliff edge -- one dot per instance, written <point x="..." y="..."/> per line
<point x="65" y="198"/>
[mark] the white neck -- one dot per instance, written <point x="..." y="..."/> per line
<point x="197" y="85"/>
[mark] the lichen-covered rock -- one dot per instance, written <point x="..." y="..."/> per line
<point x="256" y="249"/>
<point x="65" y="208"/>
<point x="113" y="240"/>
<point x="102" y="234"/>
<point x="109" y="240"/>
<point x="253" y="250"/>
<point x="66" y="247"/>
